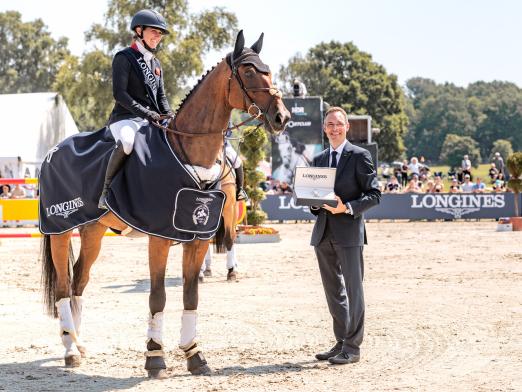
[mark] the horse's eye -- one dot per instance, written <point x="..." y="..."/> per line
<point x="250" y="72"/>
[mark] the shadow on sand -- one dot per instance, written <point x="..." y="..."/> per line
<point x="143" y="285"/>
<point x="37" y="376"/>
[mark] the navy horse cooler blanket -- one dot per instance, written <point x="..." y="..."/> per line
<point x="153" y="192"/>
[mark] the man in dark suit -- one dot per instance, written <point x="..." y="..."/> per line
<point x="339" y="236"/>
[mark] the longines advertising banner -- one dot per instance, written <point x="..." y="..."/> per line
<point x="301" y="140"/>
<point x="410" y="206"/>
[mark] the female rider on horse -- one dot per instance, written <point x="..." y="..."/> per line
<point x="137" y="85"/>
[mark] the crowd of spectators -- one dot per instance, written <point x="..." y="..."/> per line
<point x="17" y="191"/>
<point x="415" y="176"/>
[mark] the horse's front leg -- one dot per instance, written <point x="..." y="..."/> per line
<point x="193" y="255"/>
<point x="158" y="255"/>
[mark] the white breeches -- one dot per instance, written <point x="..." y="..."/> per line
<point x="232" y="156"/>
<point x="125" y="131"/>
<point x="188" y="329"/>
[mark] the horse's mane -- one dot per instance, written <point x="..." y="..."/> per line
<point x="195" y="87"/>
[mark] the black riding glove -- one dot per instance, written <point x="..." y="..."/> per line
<point x="153" y="116"/>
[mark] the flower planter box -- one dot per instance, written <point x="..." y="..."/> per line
<point x="257" y="238"/>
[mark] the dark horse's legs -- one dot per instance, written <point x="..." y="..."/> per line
<point x="193" y="255"/>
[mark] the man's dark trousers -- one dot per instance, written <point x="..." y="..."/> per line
<point x="342" y="266"/>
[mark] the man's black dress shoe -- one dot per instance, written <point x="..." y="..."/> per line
<point x="335" y="350"/>
<point x="344" y="358"/>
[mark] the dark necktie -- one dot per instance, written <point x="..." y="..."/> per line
<point x="334" y="159"/>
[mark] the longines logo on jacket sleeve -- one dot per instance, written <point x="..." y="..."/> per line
<point x="458" y="204"/>
<point x="65" y="208"/>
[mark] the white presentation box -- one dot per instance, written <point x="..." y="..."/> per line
<point x="314" y="186"/>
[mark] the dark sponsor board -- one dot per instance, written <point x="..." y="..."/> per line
<point x="410" y="206"/>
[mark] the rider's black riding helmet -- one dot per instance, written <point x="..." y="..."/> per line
<point x="149" y="18"/>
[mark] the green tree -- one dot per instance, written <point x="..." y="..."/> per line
<point x="181" y="54"/>
<point x="30" y="57"/>
<point x="455" y="147"/>
<point x="255" y="138"/>
<point x="347" y="77"/>
<point x="514" y="164"/>
<point x="503" y="147"/>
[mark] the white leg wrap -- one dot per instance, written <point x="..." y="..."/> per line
<point x="70" y="340"/>
<point x="231" y="258"/>
<point x="208" y="258"/>
<point x="77" y="310"/>
<point x="188" y="328"/>
<point x="155" y="330"/>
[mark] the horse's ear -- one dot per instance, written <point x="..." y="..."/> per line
<point x="239" y="45"/>
<point x="258" y="44"/>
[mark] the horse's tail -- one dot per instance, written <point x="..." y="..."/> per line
<point x="219" y="239"/>
<point x="49" y="274"/>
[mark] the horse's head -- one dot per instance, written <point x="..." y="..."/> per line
<point x="251" y="87"/>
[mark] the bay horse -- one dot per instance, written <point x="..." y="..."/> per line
<point x="240" y="81"/>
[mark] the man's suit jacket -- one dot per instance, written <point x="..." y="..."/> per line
<point x="356" y="183"/>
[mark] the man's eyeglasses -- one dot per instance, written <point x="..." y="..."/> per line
<point x="335" y="125"/>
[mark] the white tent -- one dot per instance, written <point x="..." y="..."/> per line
<point x="31" y="125"/>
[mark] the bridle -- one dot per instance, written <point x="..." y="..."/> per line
<point x="253" y="110"/>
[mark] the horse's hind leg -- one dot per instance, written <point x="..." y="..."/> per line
<point x="91" y="237"/>
<point x="158" y="255"/>
<point x="193" y="254"/>
<point x="56" y="259"/>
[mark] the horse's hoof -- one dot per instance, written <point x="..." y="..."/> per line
<point x="72" y="361"/>
<point x="197" y="364"/>
<point x="207" y="272"/>
<point x="201" y="279"/>
<point x="200" y="371"/>
<point x="157" y="374"/>
<point x="83" y="351"/>
<point x="231" y="276"/>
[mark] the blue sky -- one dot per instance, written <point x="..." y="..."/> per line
<point x="448" y="41"/>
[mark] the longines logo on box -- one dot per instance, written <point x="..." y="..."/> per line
<point x="65" y="208"/>
<point x="457" y="205"/>
<point x="314" y="176"/>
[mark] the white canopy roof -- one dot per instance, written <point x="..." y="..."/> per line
<point x="32" y="124"/>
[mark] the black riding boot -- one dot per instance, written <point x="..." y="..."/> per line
<point x="116" y="161"/>
<point x="240" y="181"/>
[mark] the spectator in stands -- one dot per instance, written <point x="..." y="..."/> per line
<point x="386" y="172"/>
<point x="404" y="173"/>
<point x="412" y="187"/>
<point x="465" y="165"/>
<point x="493" y="172"/>
<point x="429" y="186"/>
<point x="438" y="186"/>
<point x="284" y="189"/>
<point x="393" y="186"/>
<point x="414" y="166"/>
<point x="499" y="185"/>
<point x="6" y="192"/>
<point x="499" y="163"/>
<point x="18" y="192"/>
<point x="467" y="185"/>
<point x="455" y="187"/>
<point x="479" y="186"/>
